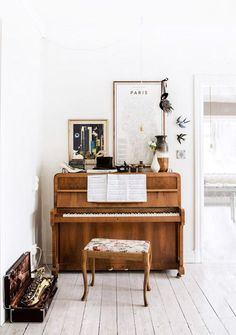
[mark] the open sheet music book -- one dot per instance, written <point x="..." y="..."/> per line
<point x="117" y="188"/>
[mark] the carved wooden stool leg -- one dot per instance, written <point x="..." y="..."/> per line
<point x="145" y="282"/>
<point x="84" y="270"/>
<point x="150" y="263"/>
<point x="93" y="271"/>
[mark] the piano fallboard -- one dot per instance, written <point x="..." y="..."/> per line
<point x="75" y="221"/>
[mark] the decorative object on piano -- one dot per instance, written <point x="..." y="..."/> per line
<point x="77" y="161"/>
<point x="162" y="153"/>
<point x="66" y="168"/>
<point x="123" y="168"/>
<point x="87" y="138"/>
<point x="137" y="118"/>
<point x="27" y="299"/>
<point x="141" y="166"/>
<point x="181" y="137"/>
<point x="155" y="166"/>
<point x="182" y="123"/>
<point x="133" y="168"/>
<point x="104" y="163"/>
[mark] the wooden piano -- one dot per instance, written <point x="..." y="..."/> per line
<point x="75" y="221"/>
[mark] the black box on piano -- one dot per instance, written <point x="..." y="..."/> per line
<point x="27" y="298"/>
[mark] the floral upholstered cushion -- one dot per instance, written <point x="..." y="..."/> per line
<point x="111" y="245"/>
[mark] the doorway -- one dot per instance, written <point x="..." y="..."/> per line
<point x="215" y="168"/>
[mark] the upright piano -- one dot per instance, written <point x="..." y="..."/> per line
<point x="75" y="221"/>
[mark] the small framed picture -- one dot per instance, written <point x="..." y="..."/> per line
<point x="87" y="138"/>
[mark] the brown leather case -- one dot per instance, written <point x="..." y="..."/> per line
<point x="16" y="281"/>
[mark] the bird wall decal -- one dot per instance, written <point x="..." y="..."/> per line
<point x="181" y="137"/>
<point x="182" y="123"/>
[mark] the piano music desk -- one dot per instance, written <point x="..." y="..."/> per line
<point x="75" y="221"/>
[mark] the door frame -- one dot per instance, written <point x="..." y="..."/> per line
<point x="200" y="83"/>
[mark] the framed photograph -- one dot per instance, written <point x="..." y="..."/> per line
<point x="137" y="119"/>
<point x="87" y="138"/>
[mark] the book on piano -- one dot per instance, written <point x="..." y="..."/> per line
<point x="101" y="170"/>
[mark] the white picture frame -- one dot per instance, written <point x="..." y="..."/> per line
<point x="137" y="119"/>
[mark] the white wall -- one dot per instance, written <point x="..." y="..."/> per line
<point x="20" y="132"/>
<point x="88" y="45"/>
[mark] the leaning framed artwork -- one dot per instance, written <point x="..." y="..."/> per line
<point x="87" y="138"/>
<point x="137" y="119"/>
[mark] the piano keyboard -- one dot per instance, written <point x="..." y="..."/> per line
<point x="119" y="214"/>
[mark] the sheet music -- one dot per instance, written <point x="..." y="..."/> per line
<point x="97" y="188"/>
<point x="117" y="188"/>
<point x="126" y="188"/>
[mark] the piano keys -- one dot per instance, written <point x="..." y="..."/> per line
<point x="75" y="221"/>
<point x="122" y="214"/>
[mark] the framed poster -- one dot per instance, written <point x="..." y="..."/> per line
<point x="137" y="119"/>
<point x="87" y="138"/>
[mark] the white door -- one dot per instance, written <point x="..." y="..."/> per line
<point x="215" y="140"/>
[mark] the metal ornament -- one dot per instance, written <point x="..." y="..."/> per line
<point x="181" y="137"/>
<point x="182" y="123"/>
<point x="165" y="104"/>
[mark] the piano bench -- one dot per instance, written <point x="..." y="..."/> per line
<point x="131" y="250"/>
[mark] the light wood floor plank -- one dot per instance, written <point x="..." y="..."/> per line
<point x="142" y="317"/>
<point x="173" y="310"/>
<point x="191" y="314"/>
<point x="210" y="286"/>
<point x="210" y="318"/>
<point x="125" y="315"/>
<point x="92" y="312"/>
<point x="57" y="317"/>
<point x="108" y="319"/>
<point x="75" y="311"/>
<point x="157" y="310"/>
<point x="16" y="329"/>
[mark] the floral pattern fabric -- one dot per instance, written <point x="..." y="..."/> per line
<point x="112" y="245"/>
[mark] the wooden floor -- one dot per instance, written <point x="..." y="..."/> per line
<point x="201" y="302"/>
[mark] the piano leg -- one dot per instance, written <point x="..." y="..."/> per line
<point x="181" y="271"/>
<point x="180" y="246"/>
<point x="55" y="248"/>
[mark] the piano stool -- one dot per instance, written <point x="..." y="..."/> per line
<point x="132" y="250"/>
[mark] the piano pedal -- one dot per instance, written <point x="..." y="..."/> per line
<point x="110" y="269"/>
<point x="126" y="269"/>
